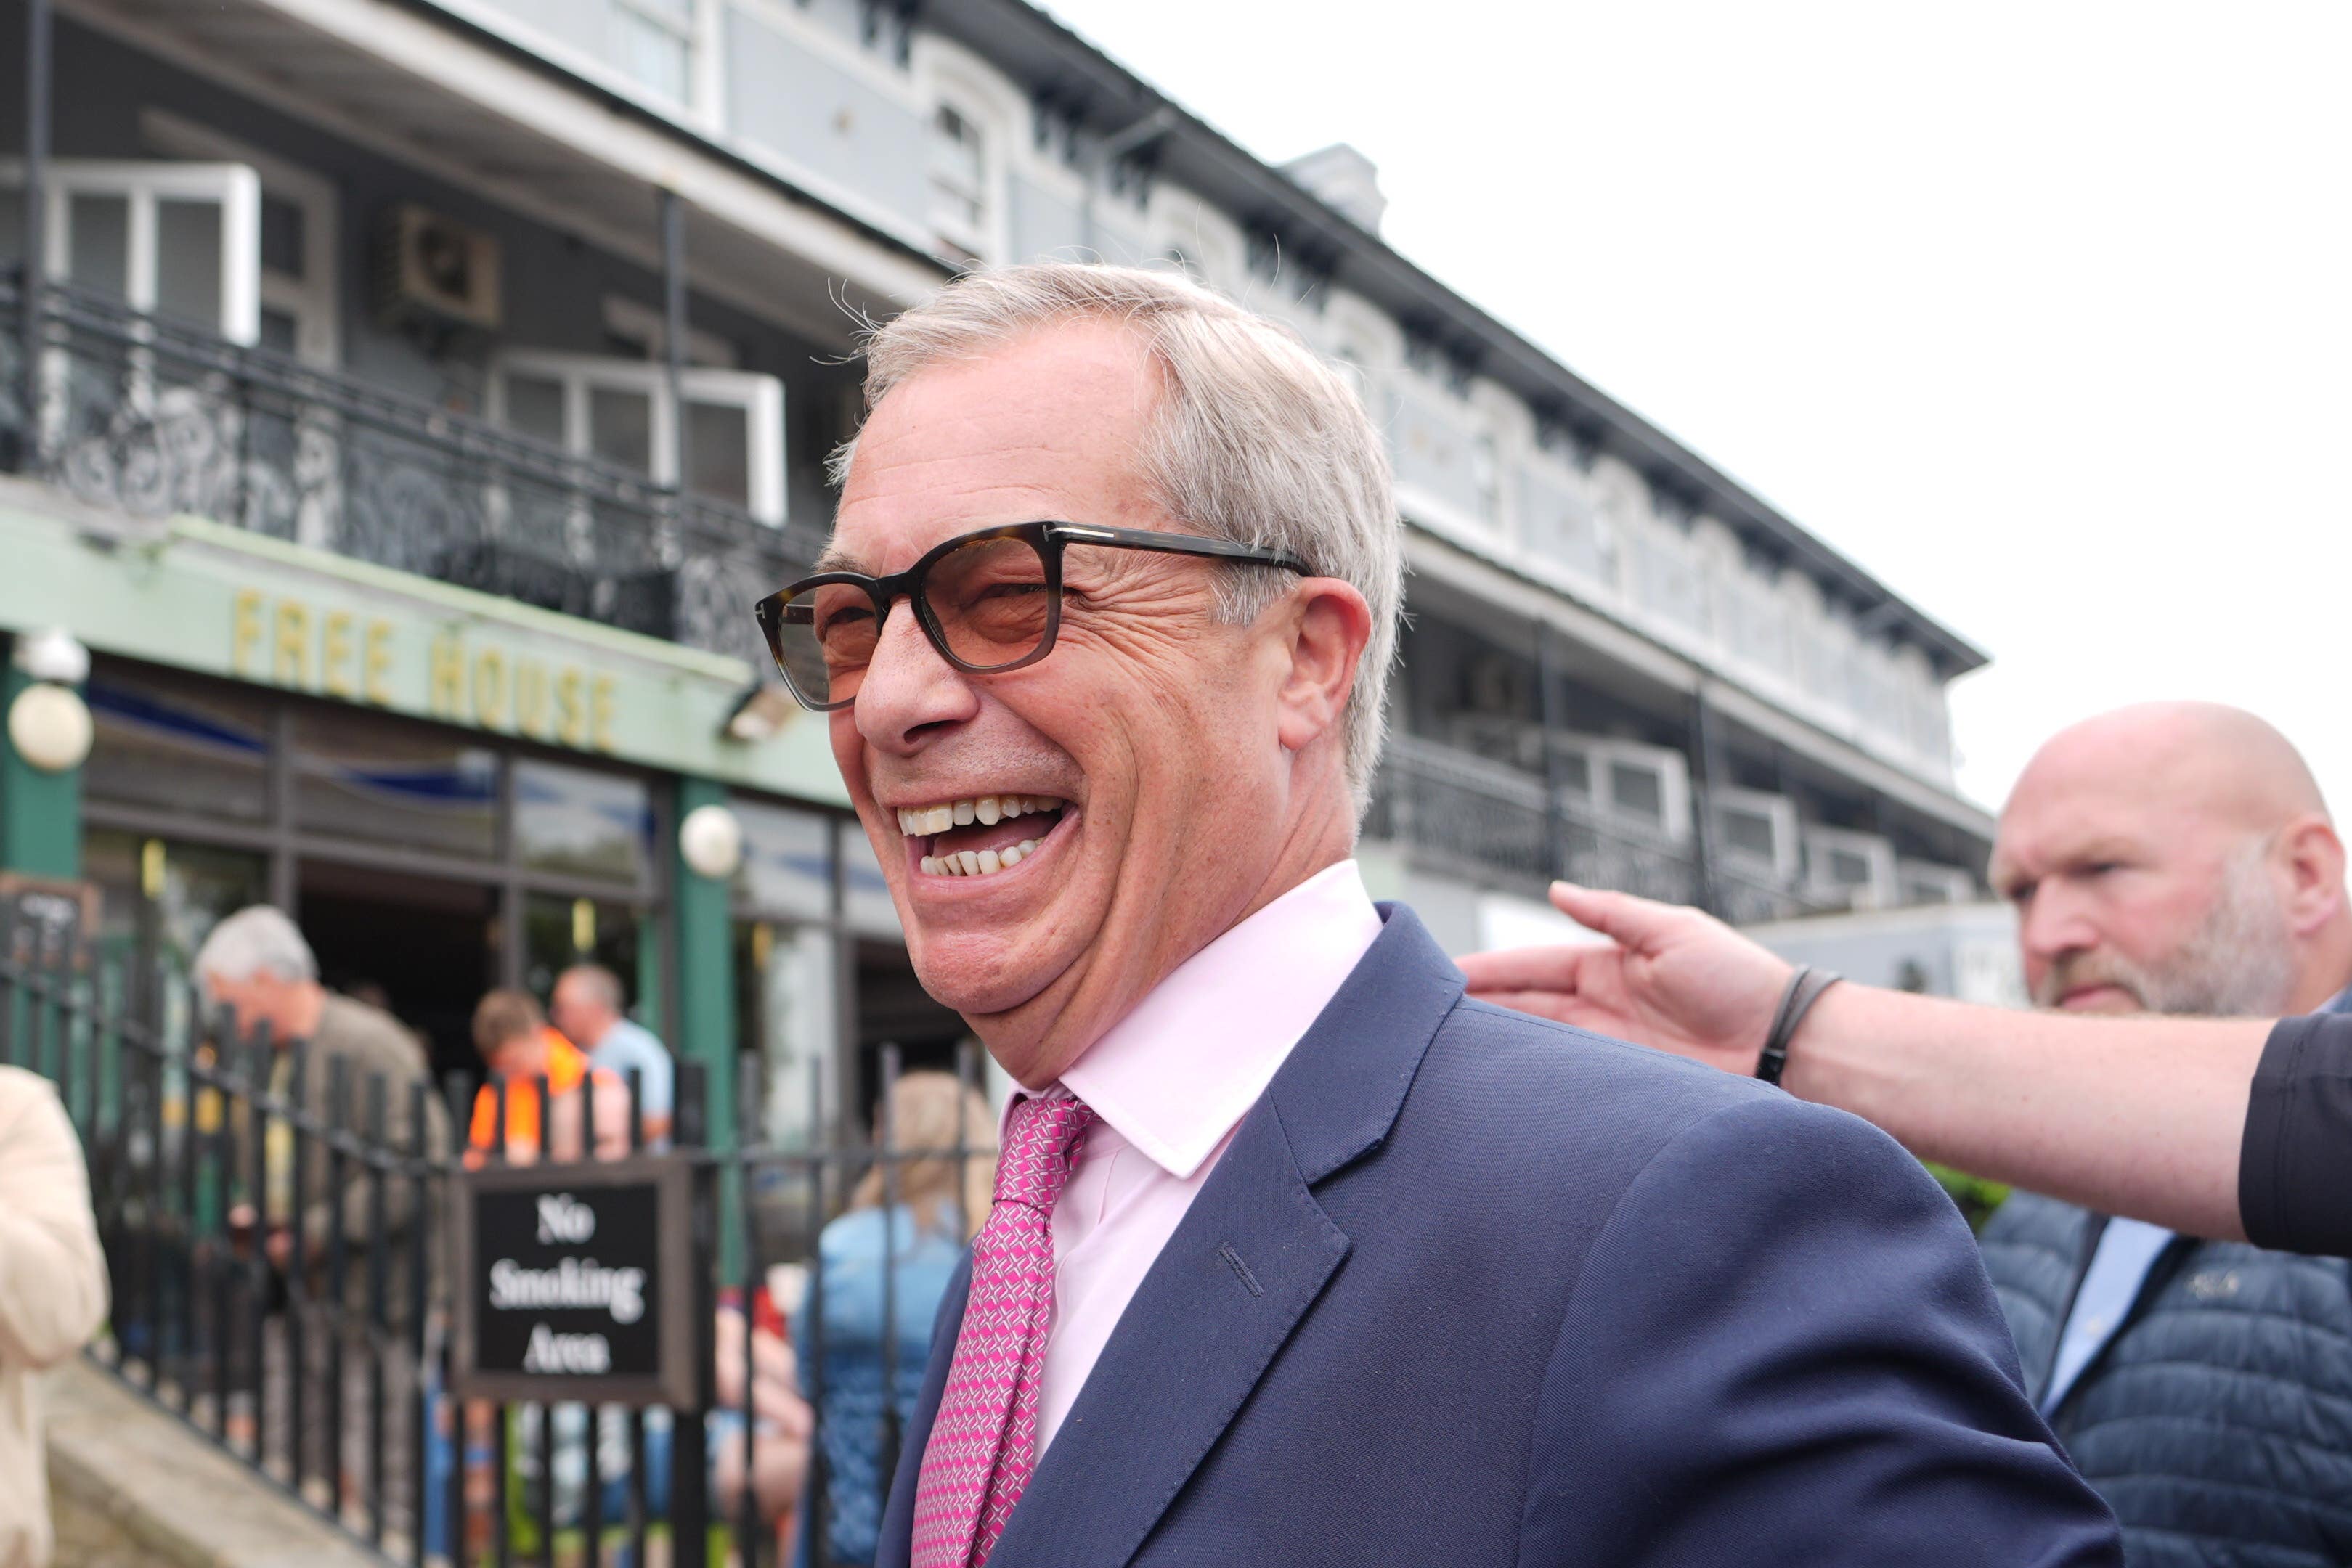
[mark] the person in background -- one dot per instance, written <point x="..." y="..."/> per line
<point x="757" y="1369"/>
<point x="519" y="1049"/>
<point x="586" y="1006"/>
<point x="2178" y="857"/>
<point x="917" y="1241"/>
<point x="256" y="965"/>
<point x="53" y="1293"/>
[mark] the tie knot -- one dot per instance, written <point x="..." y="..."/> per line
<point x="1040" y="1139"/>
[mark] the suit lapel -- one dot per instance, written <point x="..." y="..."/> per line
<point x="1248" y="1261"/>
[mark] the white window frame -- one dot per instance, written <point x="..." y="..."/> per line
<point x="948" y="76"/>
<point x="977" y="241"/>
<point x="313" y="300"/>
<point x="1782" y="863"/>
<point x="761" y="398"/>
<point x="235" y="187"/>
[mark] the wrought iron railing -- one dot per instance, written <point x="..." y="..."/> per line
<point x="1492" y="820"/>
<point x="151" y="417"/>
<point x="280" y="1283"/>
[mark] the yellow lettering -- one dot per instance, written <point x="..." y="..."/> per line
<point x="244" y="629"/>
<point x="491" y="689"/>
<point x="375" y="663"/>
<point x="335" y="654"/>
<point x="292" y="662"/>
<point x="530" y="697"/>
<point x="600" y="720"/>
<point x="571" y="718"/>
<point x="444" y="687"/>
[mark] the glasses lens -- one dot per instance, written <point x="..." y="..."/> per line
<point x="990" y="600"/>
<point x="824" y="640"/>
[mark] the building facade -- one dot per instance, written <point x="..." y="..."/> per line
<point x="408" y="399"/>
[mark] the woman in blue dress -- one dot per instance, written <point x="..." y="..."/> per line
<point x="876" y="1320"/>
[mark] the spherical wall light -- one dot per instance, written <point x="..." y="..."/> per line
<point x="711" y="841"/>
<point x="50" y="728"/>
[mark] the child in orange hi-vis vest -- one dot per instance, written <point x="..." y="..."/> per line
<point x="518" y="1046"/>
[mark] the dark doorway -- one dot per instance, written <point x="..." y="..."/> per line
<point x="893" y="1009"/>
<point x="424" y="943"/>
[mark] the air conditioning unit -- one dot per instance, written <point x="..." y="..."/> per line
<point x="1931" y="882"/>
<point x="1643" y="788"/>
<point x="432" y="270"/>
<point x="1758" y="830"/>
<point x="1850" y="869"/>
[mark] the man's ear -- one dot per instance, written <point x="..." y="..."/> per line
<point x="2313" y="859"/>
<point x="1326" y="627"/>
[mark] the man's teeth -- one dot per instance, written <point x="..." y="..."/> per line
<point x="923" y="821"/>
<point x="979" y="863"/>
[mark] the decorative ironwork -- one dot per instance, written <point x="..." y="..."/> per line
<point x="152" y="418"/>
<point x="1489" y="819"/>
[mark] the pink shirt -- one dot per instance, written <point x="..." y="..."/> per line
<point x="1170" y="1083"/>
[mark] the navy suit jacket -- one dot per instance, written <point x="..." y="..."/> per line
<point x="1472" y="1288"/>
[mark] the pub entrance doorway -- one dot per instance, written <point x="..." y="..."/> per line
<point x="423" y="948"/>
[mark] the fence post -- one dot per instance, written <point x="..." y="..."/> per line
<point x="689" y="1514"/>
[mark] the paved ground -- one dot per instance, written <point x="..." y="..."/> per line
<point x="136" y="1487"/>
<point x="87" y="1538"/>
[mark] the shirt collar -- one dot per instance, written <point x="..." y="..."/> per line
<point x="1175" y="1074"/>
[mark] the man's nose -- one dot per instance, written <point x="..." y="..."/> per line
<point x="908" y="690"/>
<point x="2055" y="923"/>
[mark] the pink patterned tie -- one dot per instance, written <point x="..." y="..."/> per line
<point x="984" y="1442"/>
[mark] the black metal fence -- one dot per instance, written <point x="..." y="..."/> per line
<point x="275" y="1243"/>
<point x="146" y="416"/>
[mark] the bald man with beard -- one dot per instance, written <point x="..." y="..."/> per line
<point x="2175" y="858"/>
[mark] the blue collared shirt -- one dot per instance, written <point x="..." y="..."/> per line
<point x="627" y="1046"/>
<point x="2128" y="1250"/>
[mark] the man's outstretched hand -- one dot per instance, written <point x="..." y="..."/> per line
<point x="1668" y="977"/>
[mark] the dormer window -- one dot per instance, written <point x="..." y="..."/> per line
<point x="961" y="212"/>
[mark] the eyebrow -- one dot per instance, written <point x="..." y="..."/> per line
<point x="838" y="561"/>
<point x="2002" y="876"/>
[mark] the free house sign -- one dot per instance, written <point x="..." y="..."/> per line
<point x="576" y="1281"/>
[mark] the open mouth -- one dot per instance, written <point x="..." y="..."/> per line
<point x="979" y="836"/>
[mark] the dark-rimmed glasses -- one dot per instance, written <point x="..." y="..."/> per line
<point x="989" y="600"/>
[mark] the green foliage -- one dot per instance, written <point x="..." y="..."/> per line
<point x="1977" y="1196"/>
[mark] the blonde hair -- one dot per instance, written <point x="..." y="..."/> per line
<point x="930" y="1115"/>
<point x="1256" y="438"/>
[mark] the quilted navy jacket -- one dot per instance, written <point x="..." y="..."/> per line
<point x="2217" y="1423"/>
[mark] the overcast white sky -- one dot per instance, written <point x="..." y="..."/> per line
<point x="2043" y="312"/>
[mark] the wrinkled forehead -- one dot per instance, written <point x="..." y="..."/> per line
<point x="1047" y="428"/>
<point x="2060" y="818"/>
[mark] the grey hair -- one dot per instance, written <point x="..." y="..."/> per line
<point x="603" y="986"/>
<point x="1256" y="438"/>
<point x="256" y="940"/>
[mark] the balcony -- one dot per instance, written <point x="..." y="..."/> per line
<point x="148" y="418"/>
<point x="1489" y="822"/>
